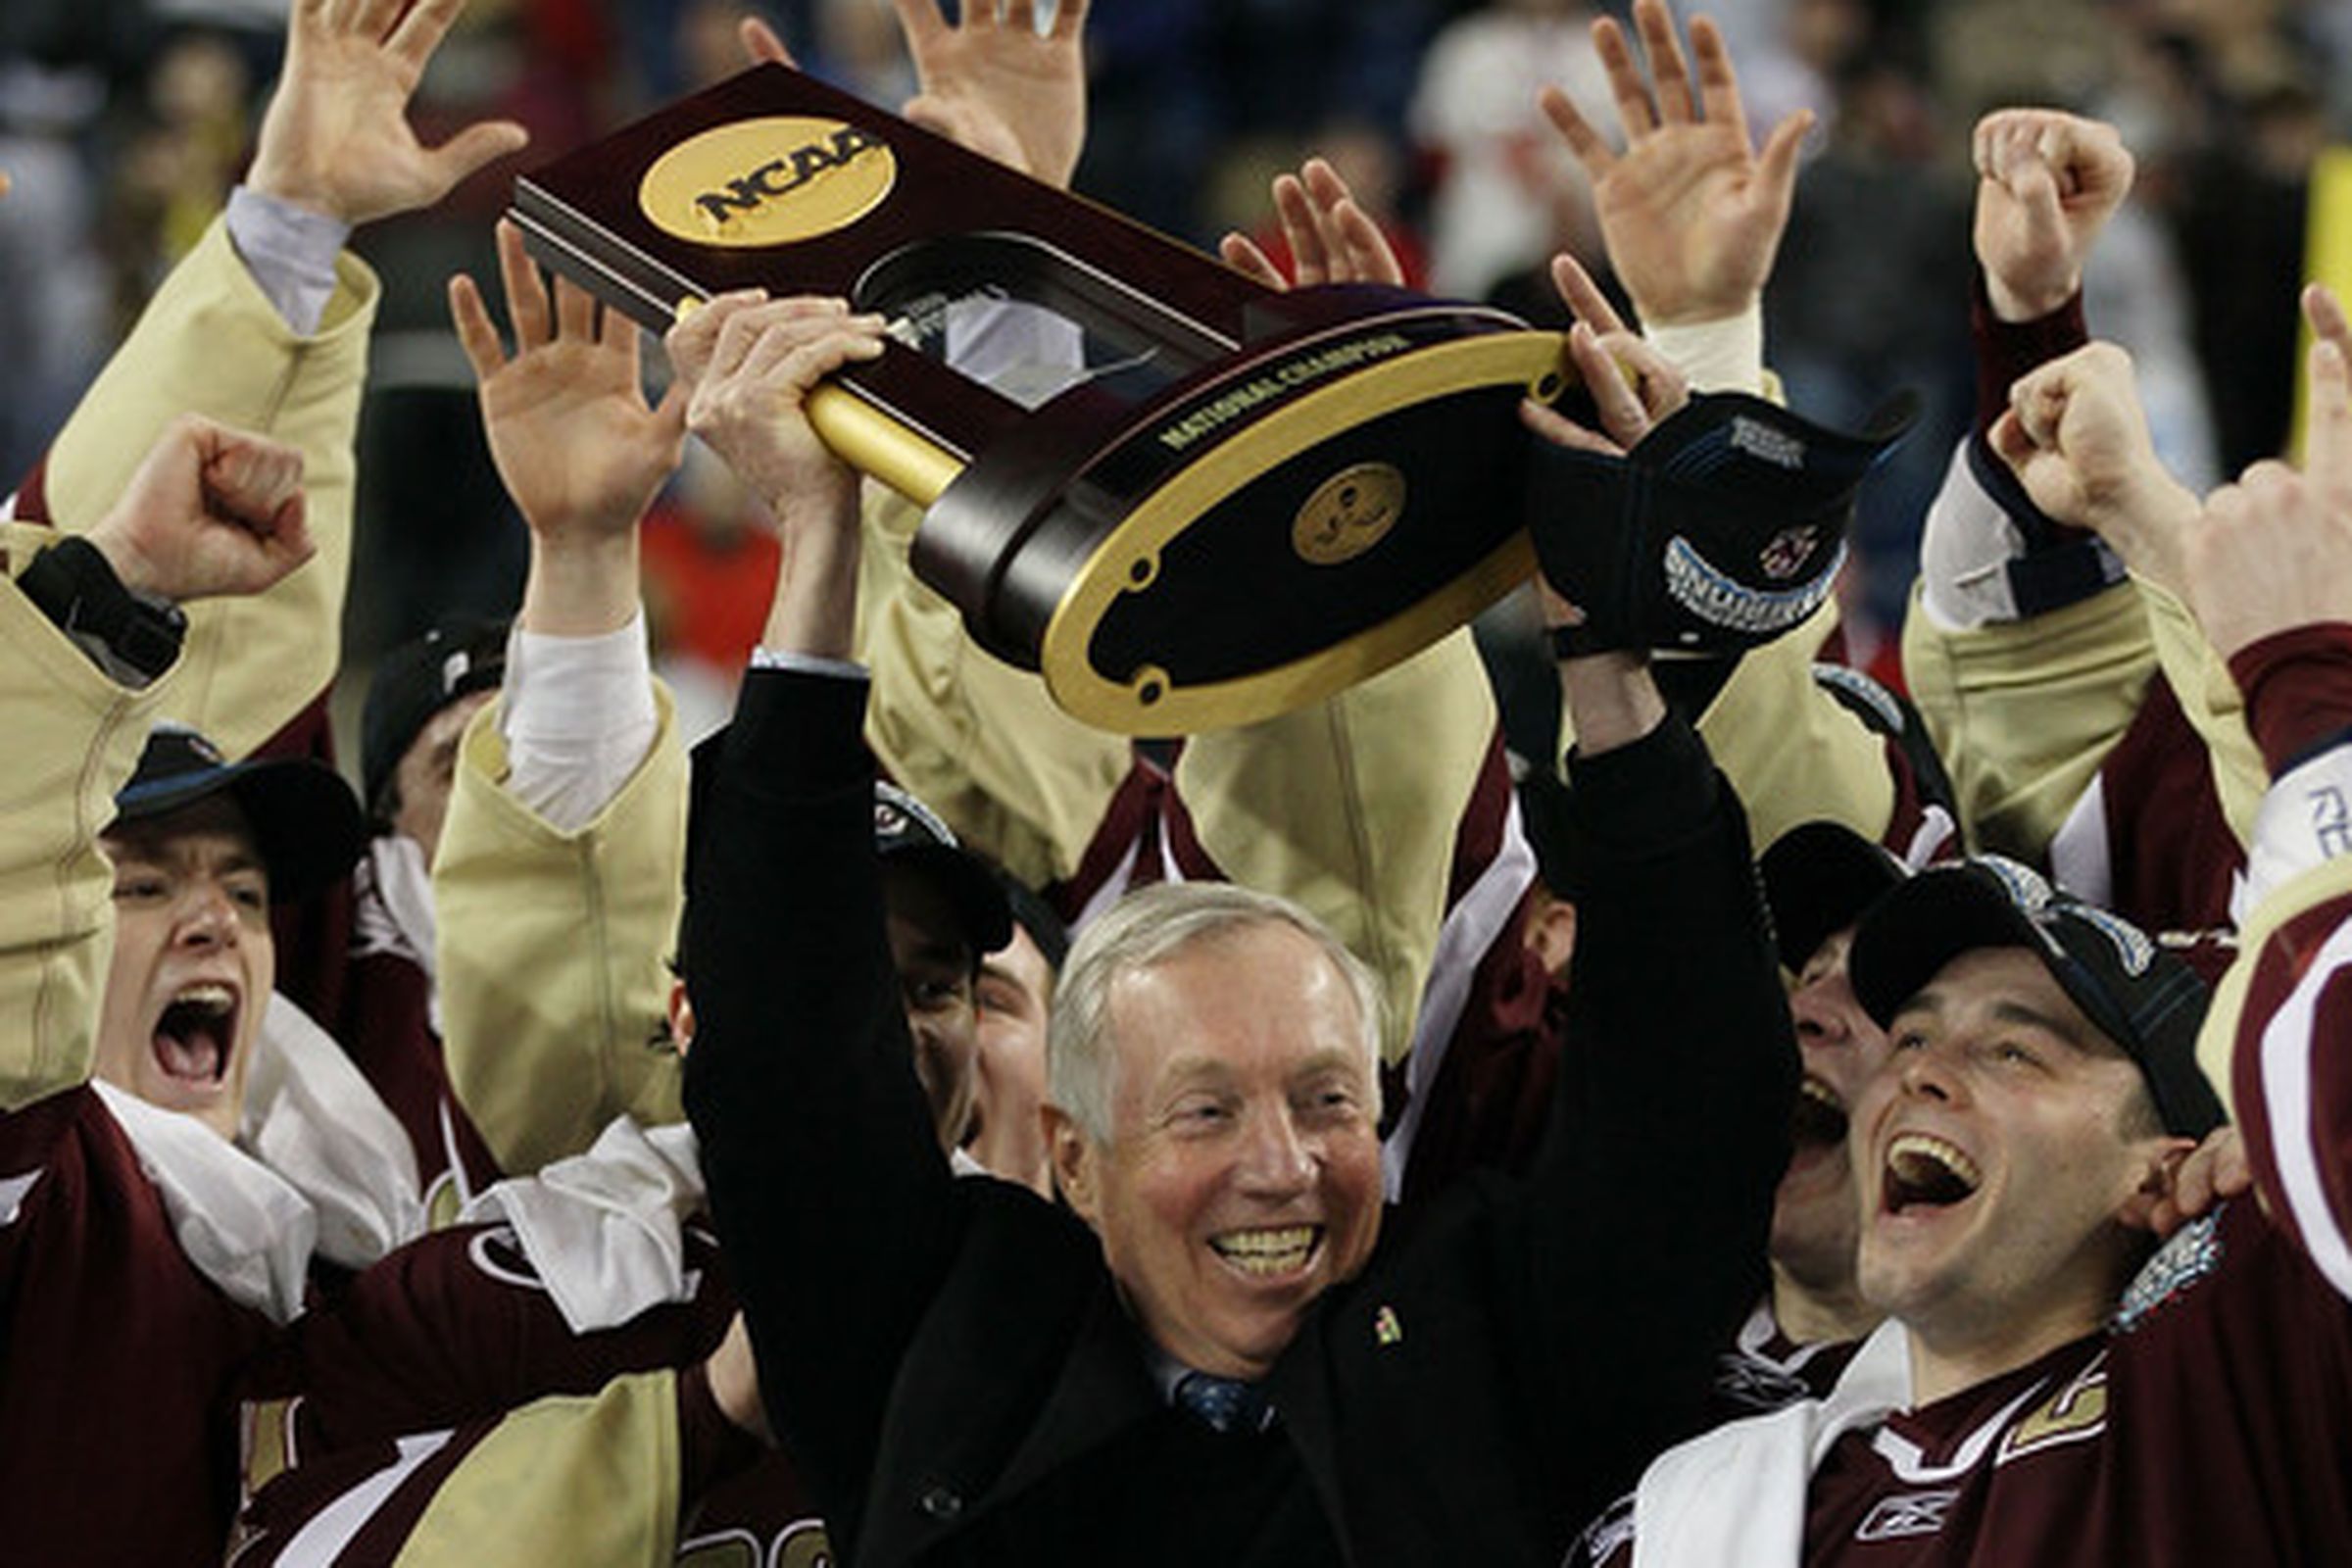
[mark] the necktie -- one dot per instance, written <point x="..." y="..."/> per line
<point x="1227" y="1404"/>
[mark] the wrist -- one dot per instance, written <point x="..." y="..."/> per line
<point x="131" y="634"/>
<point x="295" y="188"/>
<point x="1716" y="353"/>
<point x="129" y="564"/>
<point x="1612" y="700"/>
<point x="580" y="587"/>
<point x="2016" y="306"/>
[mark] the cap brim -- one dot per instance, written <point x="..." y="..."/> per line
<point x="305" y="820"/>
<point x="1917" y="929"/>
<point x="1819" y="877"/>
<point x="980" y="903"/>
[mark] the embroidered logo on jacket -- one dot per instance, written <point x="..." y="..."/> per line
<point x="2194" y="1251"/>
<point x="1914" y="1513"/>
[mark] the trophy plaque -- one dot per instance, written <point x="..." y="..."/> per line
<point x="1185" y="499"/>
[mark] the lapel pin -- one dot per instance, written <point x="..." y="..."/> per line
<point x="1387" y="1328"/>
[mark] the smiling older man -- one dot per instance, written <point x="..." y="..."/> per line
<point x="1225" y="1353"/>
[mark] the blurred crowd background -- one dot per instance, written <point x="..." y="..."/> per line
<point x="123" y="122"/>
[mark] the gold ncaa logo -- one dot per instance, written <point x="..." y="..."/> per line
<point x="1348" y="514"/>
<point x="767" y="181"/>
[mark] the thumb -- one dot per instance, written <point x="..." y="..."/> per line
<point x="2009" y="441"/>
<point x="2034" y="189"/>
<point x="470" y="149"/>
<point x="760" y="43"/>
<point x="670" y="413"/>
<point x="1776" y="166"/>
<point x="252" y="482"/>
<point x="2327" y="436"/>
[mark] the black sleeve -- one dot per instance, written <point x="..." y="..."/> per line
<point x="132" y="637"/>
<point x="1651" y="1201"/>
<point x="826" y="1182"/>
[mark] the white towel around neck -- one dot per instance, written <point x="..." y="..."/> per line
<point x="1737" y="1494"/>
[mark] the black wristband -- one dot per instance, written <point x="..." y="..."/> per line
<point x="132" y="636"/>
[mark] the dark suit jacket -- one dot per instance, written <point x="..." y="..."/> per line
<point x="947" y="1360"/>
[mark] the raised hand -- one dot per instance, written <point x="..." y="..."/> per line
<point x="209" y="512"/>
<point x="579" y="448"/>
<point x="2046" y="184"/>
<point x="1692" y="214"/>
<point x="2078" y="439"/>
<point x="2274" y="550"/>
<point x="753" y="363"/>
<point x="1332" y="240"/>
<point x="336" y="136"/>
<point x="1633" y="386"/>
<point x="988" y="68"/>
<point x="2215" y="1169"/>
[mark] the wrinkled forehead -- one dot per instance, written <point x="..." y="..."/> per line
<point x="1236" y="991"/>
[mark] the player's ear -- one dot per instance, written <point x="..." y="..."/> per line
<point x="1075" y="1161"/>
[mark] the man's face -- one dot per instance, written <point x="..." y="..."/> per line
<point x="1014" y="995"/>
<point x="193" y="961"/>
<point x="1996" y="1160"/>
<point x="1816" y="1216"/>
<point x="428" y="771"/>
<point x="1242" y="1178"/>
<point x="934" y="962"/>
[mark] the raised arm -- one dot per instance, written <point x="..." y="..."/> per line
<point x="2270" y="575"/>
<point x="209" y="513"/>
<point x="1673" y="983"/>
<point x="264" y="327"/>
<point x="2027" y="654"/>
<point x="815" y="1139"/>
<point x="556" y="884"/>
<point x="1691" y="211"/>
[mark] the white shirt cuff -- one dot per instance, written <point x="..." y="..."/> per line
<point x="578" y="717"/>
<point x="1726" y="354"/>
<point x="807" y="663"/>
<point x="290" y="251"/>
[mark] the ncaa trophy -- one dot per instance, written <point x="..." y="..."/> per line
<point x="1185" y="499"/>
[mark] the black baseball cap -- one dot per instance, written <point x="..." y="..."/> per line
<point x="1722" y="528"/>
<point x="306" y="823"/>
<point x="1818" y="879"/>
<point x="2141" y="997"/>
<point x="416" y="680"/>
<point x="908" y="833"/>
<point x="903" y="826"/>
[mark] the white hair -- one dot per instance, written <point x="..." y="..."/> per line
<point x="1146" y="928"/>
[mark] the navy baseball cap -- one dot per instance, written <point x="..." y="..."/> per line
<point x="306" y="823"/>
<point x="416" y="680"/>
<point x="2142" y="998"/>
<point x="1818" y="879"/>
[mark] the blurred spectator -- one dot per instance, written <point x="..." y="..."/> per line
<point x="54" y="328"/>
<point x="1156" y="120"/>
<point x="192" y="140"/>
<point x="1865" y="299"/>
<point x="1500" y="171"/>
